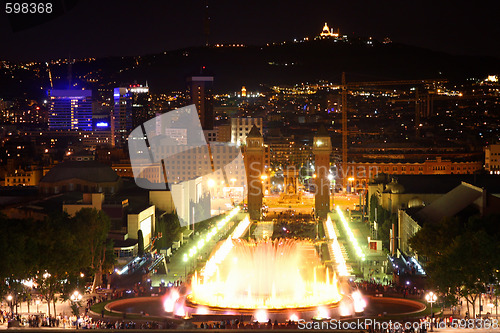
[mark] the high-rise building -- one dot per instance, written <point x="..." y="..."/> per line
<point x="140" y="108"/>
<point x="121" y="122"/>
<point x="70" y="110"/>
<point x="130" y="110"/>
<point x="200" y="90"/>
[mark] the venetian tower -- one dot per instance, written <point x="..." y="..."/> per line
<point x="322" y="148"/>
<point x="254" y="166"/>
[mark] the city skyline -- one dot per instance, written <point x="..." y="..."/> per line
<point x="249" y="165"/>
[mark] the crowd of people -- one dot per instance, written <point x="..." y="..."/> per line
<point x="87" y="322"/>
<point x="81" y="322"/>
<point x="236" y="324"/>
<point x="406" y="290"/>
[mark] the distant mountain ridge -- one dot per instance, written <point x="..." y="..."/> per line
<point x="308" y="62"/>
<point x="288" y="63"/>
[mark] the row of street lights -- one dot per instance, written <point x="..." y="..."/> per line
<point x="352" y="238"/>
<point x="210" y="234"/>
<point x="10" y="299"/>
<point x="75" y="297"/>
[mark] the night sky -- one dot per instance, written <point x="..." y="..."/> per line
<point x="124" y="27"/>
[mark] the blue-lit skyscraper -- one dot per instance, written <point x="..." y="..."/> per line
<point x="70" y="110"/>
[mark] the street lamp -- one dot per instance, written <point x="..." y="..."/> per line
<point x="76" y="296"/>
<point x="9" y="299"/>
<point x="351" y="181"/>
<point x="431" y="298"/>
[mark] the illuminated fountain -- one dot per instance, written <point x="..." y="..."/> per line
<point x="270" y="274"/>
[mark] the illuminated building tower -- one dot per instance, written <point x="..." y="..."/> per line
<point x="70" y="110"/>
<point x="200" y="89"/>
<point x="140" y="104"/>
<point x="121" y="122"/>
<point x="322" y="148"/>
<point x="243" y="91"/>
<point x="254" y="165"/>
<point x="130" y="110"/>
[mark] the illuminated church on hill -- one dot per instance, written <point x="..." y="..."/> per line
<point x="327" y="32"/>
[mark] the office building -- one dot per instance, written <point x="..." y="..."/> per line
<point x="121" y="122"/>
<point x="140" y="104"/>
<point x="130" y="110"/>
<point x="200" y="90"/>
<point x="70" y="110"/>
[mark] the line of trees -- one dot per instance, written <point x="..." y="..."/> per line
<point x="170" y="228"/>
<point x="462" y="256"/>
<point x="384" y="220"/>
<point x="53" y="253"/>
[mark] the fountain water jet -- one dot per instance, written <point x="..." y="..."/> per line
<point x="268" y="274"/>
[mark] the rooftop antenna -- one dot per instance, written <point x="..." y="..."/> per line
<point x="206" y="24"/>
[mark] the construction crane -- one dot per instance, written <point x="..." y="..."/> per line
<point x="50" y="75"/>
<point x="345" y="86"/>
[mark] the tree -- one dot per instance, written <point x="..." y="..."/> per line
<point x="92" y="227"/>
<point x="201" y="208"/>
<point x="453" y="267"/>
<point x="140" y="243"/>
<point x="384" y="219"/>
<point x="374" y="205"/>
<point x="53" y="252"/>
<point x="170" y="227"/>
<point x="60" y="246"/>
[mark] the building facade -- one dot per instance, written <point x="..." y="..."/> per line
<point x="492" y="159"/>
<point x="362" y="172"/>
<point x="200" y="90"/>
<point x="22" y="177"/>
<point x="131" y="109"/>
<point x="240" y="127"/>
<point x="70" y="110"/>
